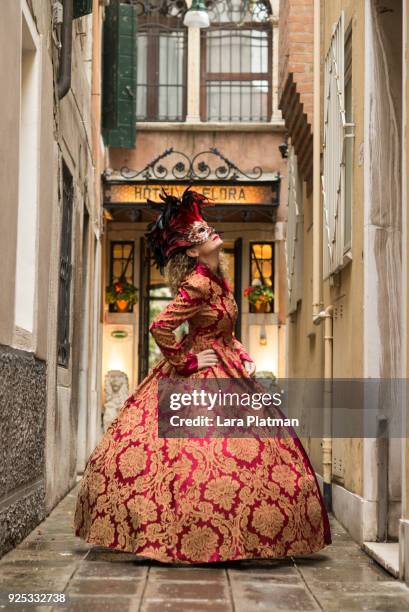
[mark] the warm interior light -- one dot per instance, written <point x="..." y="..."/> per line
<point x="263" y="336"/>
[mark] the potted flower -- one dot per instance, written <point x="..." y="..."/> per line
<point x="122" y="294"/>
<point x="260" y="296"/>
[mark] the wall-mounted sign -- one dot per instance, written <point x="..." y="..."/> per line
<point x="128" y="193"/>
<point x="119" y="333"/>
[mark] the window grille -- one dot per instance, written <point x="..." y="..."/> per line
<point x="337" y="130"/>
<point x="161" y="61"/>
<point x="64" y="291"/>
<point x="295" y="229"/>
<point x="262" y="266"/>
<point x="236" y="62"/>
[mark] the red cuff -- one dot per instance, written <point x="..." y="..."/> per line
<point x="190" y="366"/>
<point x="245" y="356"/>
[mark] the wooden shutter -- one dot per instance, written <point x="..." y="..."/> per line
<point x="64" y="289"/>
<point x="119" y="76"/>
<point x="81" y="8"/>
<point x="294" y="250"/>
<point x="333" y="178"/>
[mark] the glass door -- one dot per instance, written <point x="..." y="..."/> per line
<point x="155" y="295"/>
<point x="233" y="252"/>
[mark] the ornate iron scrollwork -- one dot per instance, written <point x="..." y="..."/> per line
<point x="238" y="12"/>
<point x="164" y="8"/>
<point x="220" y="11"/>
<point x="194" y="168"/>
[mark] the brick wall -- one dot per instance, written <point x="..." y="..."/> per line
<point x="296" y="26"/>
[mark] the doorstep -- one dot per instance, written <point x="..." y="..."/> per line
<point x="386" y="554"/>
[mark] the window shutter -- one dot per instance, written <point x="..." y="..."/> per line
<point x="295" y="233"/>
<point x="333" y="178"/>
<point x="81" y="8"/>
<point x="119" y="76"/>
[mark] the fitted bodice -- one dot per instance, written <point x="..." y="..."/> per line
<point x="206" y="301"/>
<point x="218" y="314"/>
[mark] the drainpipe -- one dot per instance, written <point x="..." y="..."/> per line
<point x="319" y="315"/>
<point x="327" y="417"/>
<point x="64" y="74"/>
<point x="316" y="304"/>
<point x="403" y="523"/>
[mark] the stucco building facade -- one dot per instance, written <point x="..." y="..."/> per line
<point x="51" y="227"/>
<point x="349" y="320"/>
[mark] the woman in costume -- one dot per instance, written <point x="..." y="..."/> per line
<point x="196" y="500"/>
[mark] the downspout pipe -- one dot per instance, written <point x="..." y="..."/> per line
<point x="327" y="314"/>
<point x="64" y="73"/>
<point x="316" y="303"/>
<point x="318" y="315"/>
<point x="403" y="523"/>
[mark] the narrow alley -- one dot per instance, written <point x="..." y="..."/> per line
<point x="52" y="560"/>
<point x="198" y="192"/>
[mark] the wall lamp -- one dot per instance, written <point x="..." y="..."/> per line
<point x="197" y="16"/>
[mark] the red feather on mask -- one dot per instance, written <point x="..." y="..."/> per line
<point x="169" y="233"/>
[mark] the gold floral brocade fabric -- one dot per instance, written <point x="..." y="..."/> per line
<point x="198" y="500"/>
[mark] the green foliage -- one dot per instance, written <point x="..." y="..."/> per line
<point x="121" y="290"/>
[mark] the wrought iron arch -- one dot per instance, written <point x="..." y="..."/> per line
<point x="237" y="12"/>
<point x="196" y="167"/>
<point x="164" y="8"/>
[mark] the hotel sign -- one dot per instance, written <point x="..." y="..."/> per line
<point x="133" y="193"/>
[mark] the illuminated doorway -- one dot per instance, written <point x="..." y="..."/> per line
<point x="155" y="295"/>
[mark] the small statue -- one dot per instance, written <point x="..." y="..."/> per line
<point x="116" y="392"/>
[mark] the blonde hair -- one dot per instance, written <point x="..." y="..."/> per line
<point x="181" y="265"/>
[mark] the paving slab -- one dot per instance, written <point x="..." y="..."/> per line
<point x="188" y="590"/>
<point x="262" y="595"/>
<point x="186" y="606"/>
<point x="104" y="586"/>
<point x="82" y="603"/>
<point x="105" y="569"/>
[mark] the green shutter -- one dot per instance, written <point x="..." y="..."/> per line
<point x="119" y="76"/>
<point x="82" y="7"/>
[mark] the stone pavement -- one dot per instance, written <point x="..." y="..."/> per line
<point x="51" y="559"/>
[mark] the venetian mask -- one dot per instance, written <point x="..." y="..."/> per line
<point x="199" y="232"/>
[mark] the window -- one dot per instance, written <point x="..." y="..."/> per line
<point x="159" y="297"/>
<point x="161" y="62"/>
<point x="236" y="64"/>
<point x="295" y="233"/>
<point x="122" y="265"/>
<point x="26" y="259"/>
<point x="262" y="266"/>
<point x="148" y="80"/>
<point x="64" y="292"/>
<point x="337" y="152"/>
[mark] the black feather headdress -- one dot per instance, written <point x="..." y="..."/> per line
<point x="179" y="225"/>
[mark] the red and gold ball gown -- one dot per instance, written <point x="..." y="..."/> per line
<point x="198" y="500"/>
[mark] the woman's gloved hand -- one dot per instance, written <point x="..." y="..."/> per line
<point x="250" y="367"/>
<point x="206" y="359"/>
